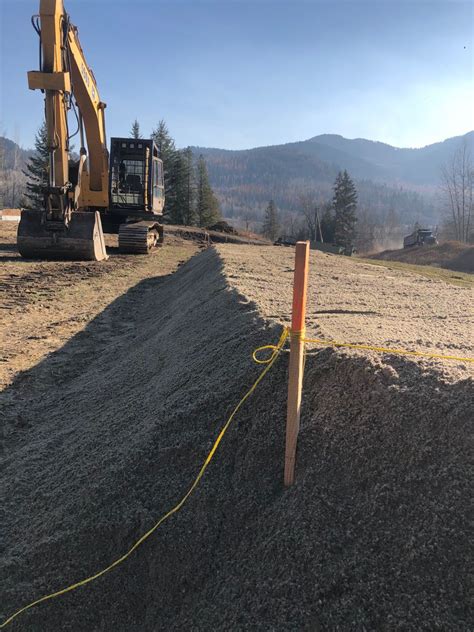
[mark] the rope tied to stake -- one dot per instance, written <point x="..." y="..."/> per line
<point x="268" y="362"/>
<point x="275" y="349"/>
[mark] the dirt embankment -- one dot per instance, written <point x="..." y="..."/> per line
<point x="373" y="536"/>
<point x="451" y="255"/>
<point x="44" y="303"/>
<point x="216" y="237"/>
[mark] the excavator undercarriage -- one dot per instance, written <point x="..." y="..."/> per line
<point x="140" y="237"/>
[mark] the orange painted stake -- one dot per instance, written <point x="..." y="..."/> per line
<point x="295" y="372"/>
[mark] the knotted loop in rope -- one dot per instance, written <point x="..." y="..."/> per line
<point x="275" y="349"/>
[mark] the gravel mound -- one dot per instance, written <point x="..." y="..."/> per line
<point x="373" y="536"/>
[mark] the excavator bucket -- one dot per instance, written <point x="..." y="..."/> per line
<point x="81" y="240"/>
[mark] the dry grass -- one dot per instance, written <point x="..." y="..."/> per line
<point x="452" y="255"/>
<point x="462" y="279"/>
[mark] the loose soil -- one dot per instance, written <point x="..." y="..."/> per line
<point x="106" y="432"/>
<point x="216" y="237"/>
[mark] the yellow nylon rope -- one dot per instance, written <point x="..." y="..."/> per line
<point x="422" y="354"/>
<point x="269" y="362"/>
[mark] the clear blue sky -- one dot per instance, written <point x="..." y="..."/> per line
<point x="238" y="74"/>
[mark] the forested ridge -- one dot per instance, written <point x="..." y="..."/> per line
<point x="387" y="177"/>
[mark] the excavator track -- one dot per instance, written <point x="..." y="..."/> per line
<point x="140" y="237"/>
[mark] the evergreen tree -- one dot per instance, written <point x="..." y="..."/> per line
<point x="271" y="226"/>
<point x="344" y="203"/>
<point x="174" y="197"/>
<point x="135" y="131"/>
<point x="167" y="152"/>
<point x="189" y="188"/>
<point x="176" y="200"/>
<point x="37" y="171"/>
<point x="189" y="196"/>
<point x="207" y="206"/>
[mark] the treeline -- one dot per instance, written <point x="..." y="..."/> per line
<point x="379" y="199"/>
<point x="341" y="220"/>
<point x="246" y="180"/>
<point x="458" y="192"/>
<point x="332" y="221"/>
<point x="189" y="196"/>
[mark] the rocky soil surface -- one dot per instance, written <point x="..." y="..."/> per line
<point x="107" y="426"/>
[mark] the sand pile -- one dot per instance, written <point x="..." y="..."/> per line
<point x="452" y="255"/>
<point x="373" y="536"/>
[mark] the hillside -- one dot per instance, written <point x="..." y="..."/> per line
<point x="12" y="156"/>
<point x="411" y="167"/>
<point x="387" y="177"/>
<point x="405" y="180"/>
<point x="450" y="254"/>
<point x="13" y="160"/>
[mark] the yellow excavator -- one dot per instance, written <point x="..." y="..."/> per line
<point x="122" y="192"/>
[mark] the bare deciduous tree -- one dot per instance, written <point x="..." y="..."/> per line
<point x="458" y="182"/>
<point x="367" y="229"/>
<point x="293" y="225"/>
<point x="311" y="210"/>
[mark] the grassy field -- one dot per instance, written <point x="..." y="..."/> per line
<point x="463" y="279"/>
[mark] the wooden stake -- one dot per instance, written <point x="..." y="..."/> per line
<point x="295" y="373"/>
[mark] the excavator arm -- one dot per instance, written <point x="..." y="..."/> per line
<point x="94" y="187"/>
<point x="69" y="225"/>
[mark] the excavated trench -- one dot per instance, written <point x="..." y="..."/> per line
<point x="373" y="536"/>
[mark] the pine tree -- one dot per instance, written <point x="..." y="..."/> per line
<point x="189" y="188"/>
<point x="167" y="152"/>
<point x="271" y="226"/>
<point x="135" y="131"/>
<point x="37" y="171"/>
<point x="207" y="206"/>
<point x="344" y="203"/>
<point x="176" y="200"/>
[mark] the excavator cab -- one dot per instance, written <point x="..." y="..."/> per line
<point x="136" y="194"/>
<point x="136" y="179"/>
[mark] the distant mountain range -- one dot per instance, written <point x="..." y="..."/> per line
<point x="386" y="176"/>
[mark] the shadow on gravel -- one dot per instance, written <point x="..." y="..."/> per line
<point x="107" y="434"/>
